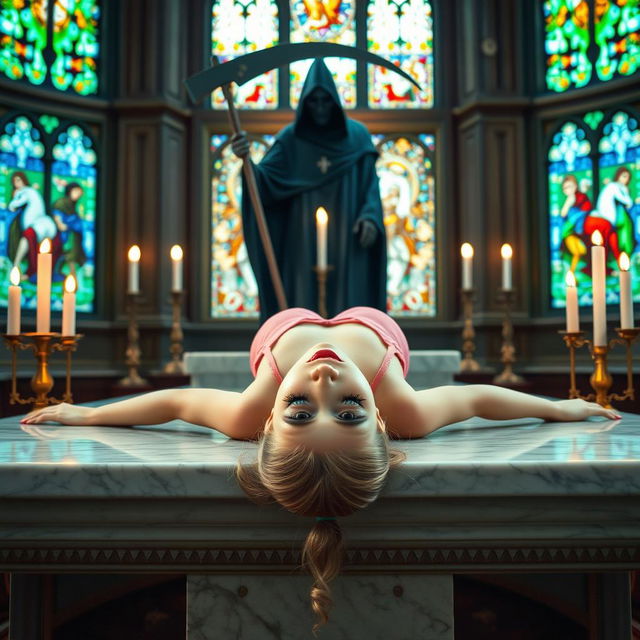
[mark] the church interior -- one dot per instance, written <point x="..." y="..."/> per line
<point x="507" y="251"/>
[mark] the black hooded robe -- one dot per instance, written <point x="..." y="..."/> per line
<point x="304" y="169"/>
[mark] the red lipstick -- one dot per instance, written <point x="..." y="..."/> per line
<point x="324" y="353"/>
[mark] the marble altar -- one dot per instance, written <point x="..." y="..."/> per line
<point x="517" y="496"/>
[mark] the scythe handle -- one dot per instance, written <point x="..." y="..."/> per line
<point x="254" y="195"/>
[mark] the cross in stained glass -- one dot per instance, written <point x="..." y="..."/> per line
<point x="323" y="164"/>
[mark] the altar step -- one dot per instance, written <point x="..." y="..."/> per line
<point x="230" y="369"/>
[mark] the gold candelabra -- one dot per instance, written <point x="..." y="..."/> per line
<point x="468" y="332"/>
<point x="132" y="379"/>
<point x="42" y="345"/>
<point x="508" y="350"/>
<point x="600" y="379"/>
<point x="321" y="274"/>
<point x="176" y="364"/>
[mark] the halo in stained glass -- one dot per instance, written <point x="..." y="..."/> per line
<point x="239" y="27"/>
<point x="401" y="31"/>
<point x="407" y="188"/>
<point x="566" y="44"/>
<point x="23" y="217"/>
<point x="234" y="290"/>
<point x="617" y="35"/>
<point x="571" y="193"/>
<point x="324" y="21"/>
<point x="23" y="39"/>
<point x="73" y="208"/>
<point x="617" y="209"/>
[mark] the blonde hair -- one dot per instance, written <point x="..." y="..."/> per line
<point x="308" y="483"/>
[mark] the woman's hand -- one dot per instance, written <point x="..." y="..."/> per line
<point x="574" y="410"/>
<point x="63" y="413"/>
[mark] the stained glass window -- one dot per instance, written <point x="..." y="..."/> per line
<point x="234" y="291"/>
<point x="239" y="27"/>
<point x="53" y="198"/>
<point x="25" y="26"/>
<point x="570" y="60"/>
<point x="594" y="185"/>
<point x="401" y="31"/>
<point x="407" y="186"/>
<point x="325" y="21"/>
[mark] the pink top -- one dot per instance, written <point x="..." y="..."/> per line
<point x="385" y="326"/>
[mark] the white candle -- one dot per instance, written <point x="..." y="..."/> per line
<point x="176" y="271"/>
<point x="466" y="250"/>
<point x="573" y="320"/>
<point x="134" y="271"/>
<point x="507" y="253"/>
<point x="69" y="307"/>
<point x="598" y="259"/>
<point x="322" y="220"/>
<point x="626" y="301"/>
<point x="43" y="312"/>
<point x="15" y="295"/>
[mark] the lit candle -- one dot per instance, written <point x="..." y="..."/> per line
<point x="43" y="311"/>
<point x="507" y="253"/>
<point x="176" y="272"/>
<point x="322" y="219"/>
<point x="134" y="272"/>
<point x="573" y="320"/>
<point x="13" y="312"/>
<point x="626" y="301"/>
<point x="466" y="250"/>
<point x="598" y="287"/>
<point x="69" y="307"/>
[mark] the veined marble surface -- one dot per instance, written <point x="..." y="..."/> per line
<point x="472" y="458"/>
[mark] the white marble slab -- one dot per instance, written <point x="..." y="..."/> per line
<point x="375" y="607"/>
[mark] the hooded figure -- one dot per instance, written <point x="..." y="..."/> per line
<point x="323" y="159"/>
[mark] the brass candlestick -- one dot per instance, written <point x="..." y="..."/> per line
<point x="468" y="332"/>
<point x="42" y="345"/>
<point x="508" y="349"/>
<point x="600" y="379"/>
<point x="321" y="273"/>
<point x="132" y="353"/>
<point x="175" y="365"/>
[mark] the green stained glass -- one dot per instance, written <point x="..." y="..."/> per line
<point x="76" y="25"/>
<point x="23" y="39"/>
<point x="593" y="118"/>
<point x="239" y="27"/>
<point x="49" y="123"/>
<point x="617" y="34"/>
<point x="566" y="44"/>
<point x="401" y="31"/>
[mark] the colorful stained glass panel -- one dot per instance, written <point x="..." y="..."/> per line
<point x="234" y="291"/>
<point x="325" y="21"/>
<point x="566" y="44"/>
<point x="401" y="31"/>
<point x="617" y="34"/>
<point x="73" y="208"/>
<point x="23" y="39"/>
<point x="239" y="27"/>
<point x="407" y="188"/>
<point x="571" y="197"/>
<point x="24" y="221"/>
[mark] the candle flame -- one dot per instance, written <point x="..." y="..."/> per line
<point x="134" y="253"/>
<point x="45" y="246"/>
<point x="70" y="284"/>
<point x="596" y="238"/>
<point x="322" y="217"/>
<point x="570" y="279"/>
<point x="624" y="262"/>
<point x="176" y="252"/>
<point x="14" y="276"/>
<point x="506" y="251"/>
<point x="466" y="250"/>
